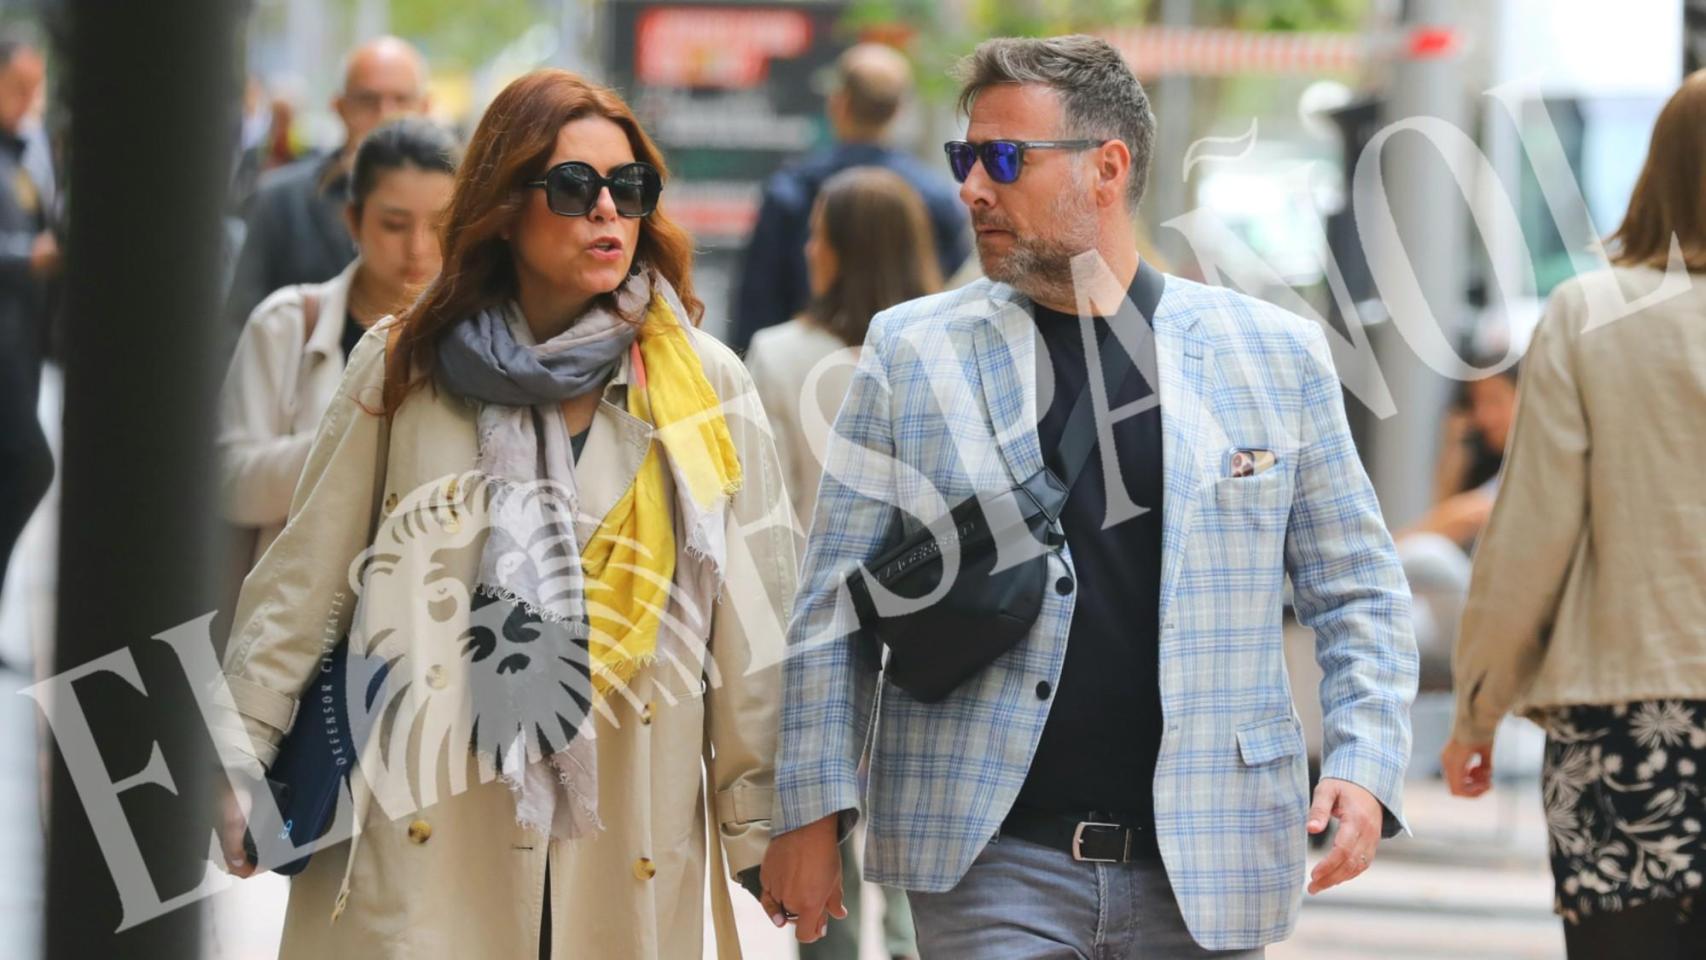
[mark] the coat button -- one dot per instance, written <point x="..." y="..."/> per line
<point x="391" y="503"/>
<point x="1043" y="690"/>
<point x="1063" y="586"/>
<point x="420" y="831"/>
<point x="435" y="676"/>
<point x="644" y="869"/>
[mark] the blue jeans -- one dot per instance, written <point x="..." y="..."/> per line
<point x="1023" y="900"/>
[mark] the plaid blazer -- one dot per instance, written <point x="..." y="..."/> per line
<point x="943" y="405"/>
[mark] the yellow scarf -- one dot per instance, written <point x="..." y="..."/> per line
<point x="630" y="562"/>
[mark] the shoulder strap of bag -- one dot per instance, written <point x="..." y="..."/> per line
<point x="383" y="461"/>
<point x="1079" y="435"/>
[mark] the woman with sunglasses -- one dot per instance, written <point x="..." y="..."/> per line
<point x="576" y="582"/>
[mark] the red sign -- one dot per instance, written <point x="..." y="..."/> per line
<point x="725" y="47"/>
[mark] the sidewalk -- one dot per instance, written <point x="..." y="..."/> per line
<point x="1472" y="884"/>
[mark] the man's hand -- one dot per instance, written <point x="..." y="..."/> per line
<point x="802" y="879"/>
<point x="1359" y="816"/>
<point x="1468" y="768"/>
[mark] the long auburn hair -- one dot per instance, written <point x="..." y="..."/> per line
<point x="511" y="146"/>
<point x="877" y="225"/>
<point x="1670" y="195"/>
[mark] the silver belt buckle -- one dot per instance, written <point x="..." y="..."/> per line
<point x="1078" y="843"/>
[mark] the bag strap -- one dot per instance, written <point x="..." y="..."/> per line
<point x="1079" y="434"/>
<point x="383" y="461"/>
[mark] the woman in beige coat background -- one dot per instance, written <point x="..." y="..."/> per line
<point x="1587" y="605"/>
<point x="292" y="352"/>
<point x="553" y="371"/>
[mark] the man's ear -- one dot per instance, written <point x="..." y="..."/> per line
<point x="1113" y="169"/>
<point x="835" y="108"/>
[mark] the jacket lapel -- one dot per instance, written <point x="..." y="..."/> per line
<point x="1184" y="396"/>
<point x="1006" y="356"/>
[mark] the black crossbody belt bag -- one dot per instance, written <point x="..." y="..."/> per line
<point x="984" y="612"/>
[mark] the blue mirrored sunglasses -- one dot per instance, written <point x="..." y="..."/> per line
<point x="1002" y="159"/>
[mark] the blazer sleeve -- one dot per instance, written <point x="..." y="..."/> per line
<point x="1524" y="555"/>
<point x="828" y="686"/>
<point x="299" y="592"/>
<point x="1348" y="585"/>
<point x="747" y="635"/>
<point x="258" y="463"/>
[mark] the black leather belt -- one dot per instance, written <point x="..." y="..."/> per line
<point x="1092" y="840"/>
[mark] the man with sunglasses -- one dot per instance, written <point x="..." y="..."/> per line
<point x="1130" y="779"/>
<point x="295" y="221"/>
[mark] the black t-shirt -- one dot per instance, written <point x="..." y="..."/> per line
<point x="353" y="332"/>
<point x="1099" y="747"/>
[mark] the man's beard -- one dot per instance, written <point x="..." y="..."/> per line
<point x="1041" y="266"/>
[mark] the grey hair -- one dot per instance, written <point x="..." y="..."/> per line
<point x="1100" y="97"/>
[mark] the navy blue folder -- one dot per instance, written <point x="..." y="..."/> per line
<point x="314" y="761"/>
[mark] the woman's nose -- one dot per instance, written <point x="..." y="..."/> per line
<point x="605" y="208"/>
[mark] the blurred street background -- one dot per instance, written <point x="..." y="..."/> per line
<point x="1265" y="108"/>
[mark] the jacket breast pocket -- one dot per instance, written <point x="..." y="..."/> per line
<point x="1262" y="500"/>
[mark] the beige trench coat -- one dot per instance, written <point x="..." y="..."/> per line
<point x="450" y="874"/>
<point x="1587" y="580"/>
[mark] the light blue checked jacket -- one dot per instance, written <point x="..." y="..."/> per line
<point x="943" y="405"/>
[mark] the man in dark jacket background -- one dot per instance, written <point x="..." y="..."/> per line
<point x="873" y="81"/>
<point x="295" y="222"/>
<point x="29" y="259"/>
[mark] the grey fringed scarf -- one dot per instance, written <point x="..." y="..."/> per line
<point x="530" y="591"/>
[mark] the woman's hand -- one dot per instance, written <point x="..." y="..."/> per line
<point x="1468" y="768"/>
<point x="233" y="825"/>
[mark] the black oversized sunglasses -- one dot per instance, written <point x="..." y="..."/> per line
<point x="1003" y="158"/>
<point x="572" y="188"/>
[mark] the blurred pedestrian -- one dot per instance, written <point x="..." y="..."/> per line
<point x="291" y="355"/>
<point x="872" y="82"/>
<point x="1587" y="611"/>
<point x="577" y="576"/>
<point x="1027" y="788"/>
<point x="1435" y="548"/>
<point x="29" y="259"/>
<point x="869" y="249"/>
<point x="253" y="130"/>
<point x="295" y="221"/>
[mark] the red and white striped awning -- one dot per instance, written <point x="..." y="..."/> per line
<point x="1157" y="51"/>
